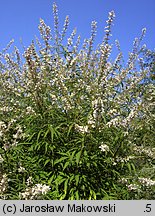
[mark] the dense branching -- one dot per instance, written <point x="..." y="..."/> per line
<point x="73" y="123"/>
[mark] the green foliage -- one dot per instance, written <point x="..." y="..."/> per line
<point x="73" y="124"/>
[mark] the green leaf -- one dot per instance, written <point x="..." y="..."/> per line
<point x="71" y="178"/>
<point x="39" y="134"/>
<point x="129" y="167"/>
<point x="60" y="179"/>
<point x="66" y="186"/>
<point x="30" y="137"/>
<point x="133" y="167"/>
<point x="63" y="197"/>
<point x="60" y="160"/>
<point x="70" y="127"/>
<point x="73" y="153"/>
<point x="77" y="179"/>
<point x="66" y="165"/>
<point x="46" y="147"/>
<point x="95" y="164"/>
<point x="77" y="195"/>
<point x="85" y="153"/>
<point x="78" y="155"/>
<point x="88" y="165"/>
<point x="72" y="197"/>
<point x="52" y="132"/>
<point x="46" y="162"/>
<point x="51" y="179"/>
<point x="46" y="133"/>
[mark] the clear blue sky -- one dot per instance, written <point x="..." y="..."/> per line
<point x="20" y="19"/>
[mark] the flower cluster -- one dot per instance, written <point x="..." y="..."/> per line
<point x="104" y="148"/>
<point x="130" y="186"/>
<point x="1" y="159"/>
<point x="125" y="159"/>
<point x="133" y="187"/>
<point x="6" y="133"/>
<point x="150" y="152"/>
<point x="35" y="192"/>
<point x="138" y="185"/>
<point x="146" y="182"/>
<point x="82" y="129"/>
<point x="21" y="169"/>
<point x="3" y="184"/>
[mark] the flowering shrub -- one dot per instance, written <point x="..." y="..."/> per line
<point x="73" y="123"/>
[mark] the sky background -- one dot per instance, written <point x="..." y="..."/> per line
<point x="20" y="19"/>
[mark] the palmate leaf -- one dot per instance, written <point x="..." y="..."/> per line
<point x="53" y="132"/>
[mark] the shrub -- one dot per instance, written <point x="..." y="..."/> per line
<point x="73" y="123"/>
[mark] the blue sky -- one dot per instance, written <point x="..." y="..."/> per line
<point x="20" y="19"/>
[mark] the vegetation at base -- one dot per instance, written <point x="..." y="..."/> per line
<point x="75" y="124"/>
